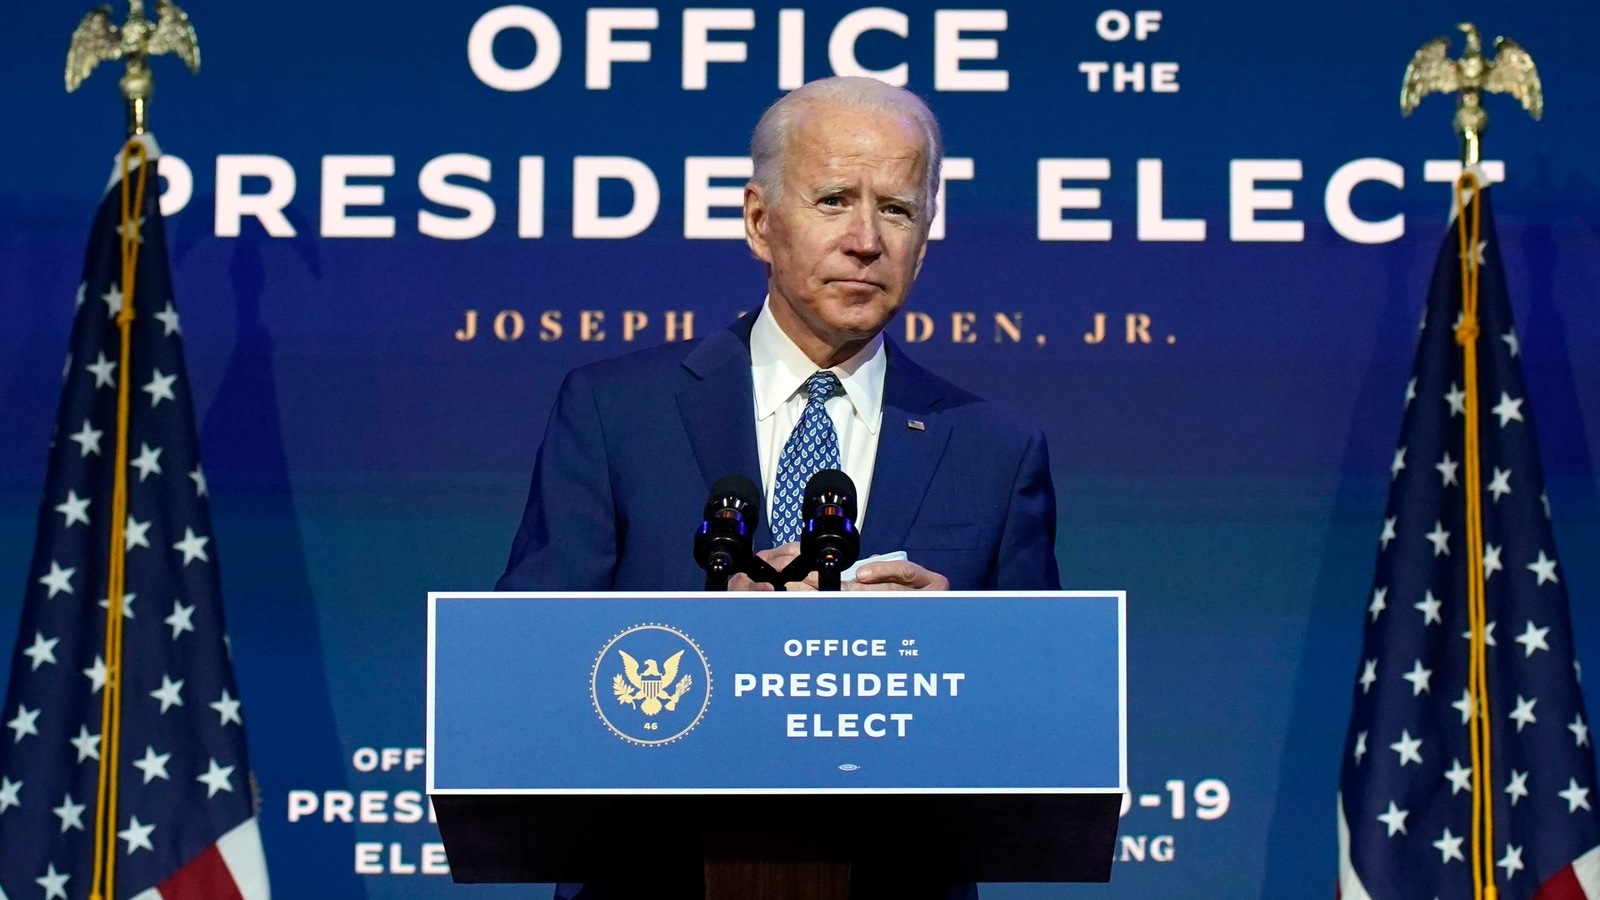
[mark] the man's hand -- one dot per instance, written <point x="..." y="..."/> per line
<point x="898" y="575"/>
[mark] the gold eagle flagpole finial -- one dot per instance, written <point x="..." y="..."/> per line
<point x="97" y="38"/>
<point x="1433" y="71"/>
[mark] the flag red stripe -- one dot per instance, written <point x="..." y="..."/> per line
<point x="1562" y="886"/>
<point x="206" y="877"/>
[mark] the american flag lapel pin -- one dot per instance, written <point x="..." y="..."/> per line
<point x="916" y="425"/>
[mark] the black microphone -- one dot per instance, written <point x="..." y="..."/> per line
<point x="829" y="542"/>
<point x="723" y="543"/>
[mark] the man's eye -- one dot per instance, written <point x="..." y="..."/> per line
<point x="831" y="201"/>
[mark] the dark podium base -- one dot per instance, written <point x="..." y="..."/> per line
<point x="780" y="847"/>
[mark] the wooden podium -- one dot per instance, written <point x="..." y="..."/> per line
<point x="541" y="770"/>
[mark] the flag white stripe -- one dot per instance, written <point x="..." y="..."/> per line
<point x="247" y="863"/>
<point x="1350" y="886"/>
<point x="1587" y="868"/>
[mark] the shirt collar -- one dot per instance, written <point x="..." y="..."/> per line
<point x="779" y="368"/>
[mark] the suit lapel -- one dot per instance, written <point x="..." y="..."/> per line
<point x="907" y="455"/>
<point x="719" y="415"/>
<point x="719" y="410"/>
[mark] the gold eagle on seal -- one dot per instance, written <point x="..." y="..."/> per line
<point x="646" y="688"/>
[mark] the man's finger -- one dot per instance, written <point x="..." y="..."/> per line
<point x="780" y="556"/>
<point x="886" y="575"/>
<point x="788" y="551"/>
<point x="876" y="586"/>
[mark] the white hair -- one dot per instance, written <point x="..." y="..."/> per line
<point x="769" y="146"/>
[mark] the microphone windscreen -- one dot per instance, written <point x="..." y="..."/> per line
<point x="835" y="483"/>
<point x="744" y="491"/>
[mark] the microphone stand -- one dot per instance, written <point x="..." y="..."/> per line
<point x="762" y="572"/>
<point x="829" y="572"/>
<point x="722" y="565"/>
<point x="829" y="556"/>
<point x="718" y="570"/>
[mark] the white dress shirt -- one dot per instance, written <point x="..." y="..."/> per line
<point x="779" y="369"/>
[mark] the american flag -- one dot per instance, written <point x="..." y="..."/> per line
<point x="1405" y="788"/>
<point x="186" y="822"/>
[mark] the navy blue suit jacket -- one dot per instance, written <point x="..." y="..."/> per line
<point x="635" y="443"/>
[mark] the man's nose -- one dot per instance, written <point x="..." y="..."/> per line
<point x="862" y="238"/>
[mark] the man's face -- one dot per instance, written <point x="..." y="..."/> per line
<point x="845" y="236"/>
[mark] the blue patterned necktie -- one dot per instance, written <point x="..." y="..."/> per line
<point x="812" y="447"/>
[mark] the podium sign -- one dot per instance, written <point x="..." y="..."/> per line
<point x="780" y="693"/>
<point x="981" y="735"/>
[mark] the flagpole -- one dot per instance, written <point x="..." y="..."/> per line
<point x="135" y="165"/>
<point x="1467" y="188"/>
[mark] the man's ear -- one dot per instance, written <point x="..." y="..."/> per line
<point x="755" y="222"/>
<point x="922" y="252"/>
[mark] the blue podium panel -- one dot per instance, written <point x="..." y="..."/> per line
<point x="776" y="693"/>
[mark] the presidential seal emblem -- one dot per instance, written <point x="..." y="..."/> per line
<point x="651" y="685"/>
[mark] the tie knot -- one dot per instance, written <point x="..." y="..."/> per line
<point x="821" y="386"/>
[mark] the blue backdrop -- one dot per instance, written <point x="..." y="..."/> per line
<point x="367" y="439"/>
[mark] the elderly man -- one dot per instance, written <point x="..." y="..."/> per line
<point x="845" y="175"/>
